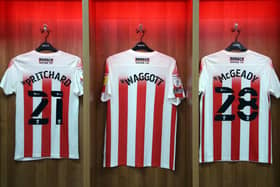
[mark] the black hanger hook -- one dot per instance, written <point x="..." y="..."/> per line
<point x="141" y="45"/>
<point x="236" y="29"/>
<point x="46" y="37"/>
<point x="45" y="29"/>
<point x="237" y="35"/>
<point x="142" y="31"/>
<point x="236" y="45"/>
<point x="142" y="35"/>
<point x="45" y="45"/>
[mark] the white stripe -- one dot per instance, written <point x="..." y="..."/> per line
<point x="37" y="129"/>
<point x="208" y="125"/>
<point x="271" y="134"/>
<point x="175" y="138"/>
<point x="226" y="125"/>
<point x="166" y="132"/>
<point x="245" y="126"/>
<point x="55" y="129"/>
<point x="269" y="107"/>
<point x="73" y="116"/>
<point x="115" y="125"/>
<point x="149" y="123"/>
<point x="105" y="140"/>
<point x="19" y="147"/>
<point x="200" y="129"/>
<point x="263" y="126"/>
<point x="131" y="124"/>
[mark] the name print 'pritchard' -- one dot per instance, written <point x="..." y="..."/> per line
<point x="47" y="75"/>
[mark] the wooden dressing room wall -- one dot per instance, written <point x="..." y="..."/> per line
<point x="20" y="23"/>
<point x="96" y="29"/>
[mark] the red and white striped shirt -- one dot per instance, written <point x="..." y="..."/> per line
<point x="47" y="88"/>
<point x="142" y="90"/>
<point x="235" y="122"/>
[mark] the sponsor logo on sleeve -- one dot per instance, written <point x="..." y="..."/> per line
<point x="178" y="86"/>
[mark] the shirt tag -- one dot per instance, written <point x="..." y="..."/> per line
<point x="236" y="59"/>
<point x="142" y="60"/>
<point x="45" y="60"/>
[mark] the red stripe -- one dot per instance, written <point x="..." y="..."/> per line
<point x="103" y="89"/>
<point x="108" y="135"/>
<point x="202" y="128"/>
<point x="64" y="133"/>
<point x="235" y="124"/>
<point x="172" y="137"/>
<point x="254" y="128"/>
<point x="123" y="109"/>
<point x="106" y="68"/>
<point x="200" y="67"/>
<point x="179" y="94"/>
<point x="46" y="129"/>
<point x="140" y="123"/>
<point x="217" y="125"/>
<point x="28" y="128"/>
<point x="157" y="130"/>
<point x="10" y="64"/>
<point x="269" y="133"/>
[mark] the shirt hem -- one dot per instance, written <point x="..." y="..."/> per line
<point x="135" y="166"/>
<point x="39" y="157"/>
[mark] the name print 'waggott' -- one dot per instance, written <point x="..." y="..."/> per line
<point x="142" y="77"/>
<point x="47" y="75"/>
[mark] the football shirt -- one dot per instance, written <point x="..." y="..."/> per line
<point x="235" y="122"/>
<point x="47" y="88"/>
<point x="142" y="91"/>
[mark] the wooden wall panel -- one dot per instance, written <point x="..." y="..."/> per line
<point x="113" y="29"/>
<point x="20" y="22"/>
<point x="260" y="31"/>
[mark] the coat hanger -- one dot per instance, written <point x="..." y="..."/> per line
<point x="236" y="45"/>
<point x="141" y="46"/>
<point x="45" y="46"/>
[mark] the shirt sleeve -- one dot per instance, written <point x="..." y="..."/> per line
<point x="176" y="92"/>
<point x="274" y="84"/>
<point x="9" y="80"/>
<point x="106" y="89"/>
<point x="79" y="79"/>
<point x="202" y="77"/>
